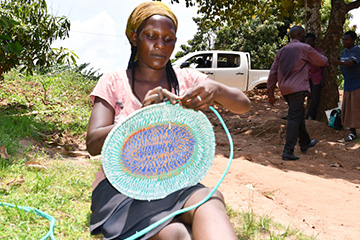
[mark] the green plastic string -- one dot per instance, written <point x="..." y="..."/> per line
<point x="40" y="213"/>
<point x="154" y="225"/>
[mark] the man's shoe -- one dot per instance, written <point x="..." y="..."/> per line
<point x="287" y="156"/>
<point x="310" y="145"/>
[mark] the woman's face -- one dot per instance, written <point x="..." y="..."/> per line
<point x="155" y="41"/>
<point x="347" y="41"/>
<point x="310" y="41"/>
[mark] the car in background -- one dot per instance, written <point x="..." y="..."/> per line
<point x="231" y="68"/>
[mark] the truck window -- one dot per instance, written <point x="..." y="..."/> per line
<point x="200" y="61"/>
<point x="228" y="61"/>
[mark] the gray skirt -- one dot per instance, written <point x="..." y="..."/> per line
<point x="350" y="111"/>
<point x="118" y="217"/>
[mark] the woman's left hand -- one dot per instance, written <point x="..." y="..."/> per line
<point x="199" y="96"/>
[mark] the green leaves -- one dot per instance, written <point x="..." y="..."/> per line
<point x="14" y="48"/>
<point x="26" y="34"/>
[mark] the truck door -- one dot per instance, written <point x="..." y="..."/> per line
<point x="231" y="70"/>
<point x="202" y="62"/>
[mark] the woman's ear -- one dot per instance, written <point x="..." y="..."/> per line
<point x="133" y="37"/>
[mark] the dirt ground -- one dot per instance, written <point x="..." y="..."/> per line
<point x="319" y="194"/>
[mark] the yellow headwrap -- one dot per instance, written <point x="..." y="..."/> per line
<point x="146" y="10"/>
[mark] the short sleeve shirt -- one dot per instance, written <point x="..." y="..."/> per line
<point x="115" y="89"/>
<point x="351" y="73"/>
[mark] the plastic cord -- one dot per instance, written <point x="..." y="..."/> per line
<point x="40" y="213"/>
<point x="154" y="225"/>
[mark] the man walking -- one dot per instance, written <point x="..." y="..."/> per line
<point x="290" y="70"/>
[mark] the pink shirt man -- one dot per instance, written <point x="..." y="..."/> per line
<point x="290" y="68"/>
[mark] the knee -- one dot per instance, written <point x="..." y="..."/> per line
<point x="182" y="233"/>
<point x="175" y="231"/>
<point x="216" y="198"/>
<point x="215" y="204"/>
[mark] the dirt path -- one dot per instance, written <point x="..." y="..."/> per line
<point x="326" y="208"/>
<point x="318" y="194"/>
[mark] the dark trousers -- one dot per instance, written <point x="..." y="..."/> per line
<point x="296" y="122"/>
<point x="315" y="99"/>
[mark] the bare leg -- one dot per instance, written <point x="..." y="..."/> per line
<point x="173" y="231"/>
<point x="210" y="220"/>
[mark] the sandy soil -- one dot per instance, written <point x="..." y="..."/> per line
<point x="318" y="194"/>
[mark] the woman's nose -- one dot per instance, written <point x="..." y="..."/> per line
<point x="159" y="44"/>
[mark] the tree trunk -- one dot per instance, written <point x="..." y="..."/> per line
<point x="330" y="44"/>
<point x="312" y="17"/>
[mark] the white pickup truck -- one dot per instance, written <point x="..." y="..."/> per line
<point x="228" y="67"/>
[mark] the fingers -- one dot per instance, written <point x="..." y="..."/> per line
<point x="170" y="96"/>
<point x="158" y="95"/>
<point x="197" y="99"/>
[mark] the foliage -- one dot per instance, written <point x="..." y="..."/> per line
<point x="58" y="187"/>
<point x="202" y="40"/>
<point x="261" y="38"/>
<point x="90" y="74"/>
<point x="65" y="109"/>
<point x="26" y="34"/>
<point x="248" y="226"/>
<point x="234" y="12"/>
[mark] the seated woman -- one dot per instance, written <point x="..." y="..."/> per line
<point x="149" y="79"/>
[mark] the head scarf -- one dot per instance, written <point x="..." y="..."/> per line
<point x="146" y="10"/>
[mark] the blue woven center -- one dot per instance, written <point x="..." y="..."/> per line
<point x="157" y="151"/>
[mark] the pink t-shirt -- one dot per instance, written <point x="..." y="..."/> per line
<point x="315" y="73"/>
<point x="115" y="89"/>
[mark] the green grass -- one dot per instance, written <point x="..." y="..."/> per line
<point x="62" y="190"/>
<point x="31" y="122"/>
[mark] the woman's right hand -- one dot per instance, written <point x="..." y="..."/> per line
<point x="158" y="95"/>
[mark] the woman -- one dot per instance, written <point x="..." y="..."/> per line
<point x="149" y="79"/>
<point x="316" y="79"/>
<point x="350" y="68"/>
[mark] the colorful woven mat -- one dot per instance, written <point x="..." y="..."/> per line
<point x="158" y="150"/>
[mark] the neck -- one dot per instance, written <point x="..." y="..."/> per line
<point x="350" y="47"/>
<point x="146" y="79"/>
<point x="144" y="73"/>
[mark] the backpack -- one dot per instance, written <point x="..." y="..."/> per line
<point x="335" y="119"/>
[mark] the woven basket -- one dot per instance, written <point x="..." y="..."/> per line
<point x="158" y="150"/>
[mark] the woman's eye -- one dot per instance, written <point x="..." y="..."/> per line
<point x="168" y="39"/>
<point x="151" y="37"/>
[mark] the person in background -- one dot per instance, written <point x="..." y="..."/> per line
<point x="290" y="70"/>
<point x="350" y="68"/>
<point x="316" y="79"/>
<point x="150" y="79"/>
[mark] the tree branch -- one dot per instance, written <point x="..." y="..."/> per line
<point x="352" y="5"/>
